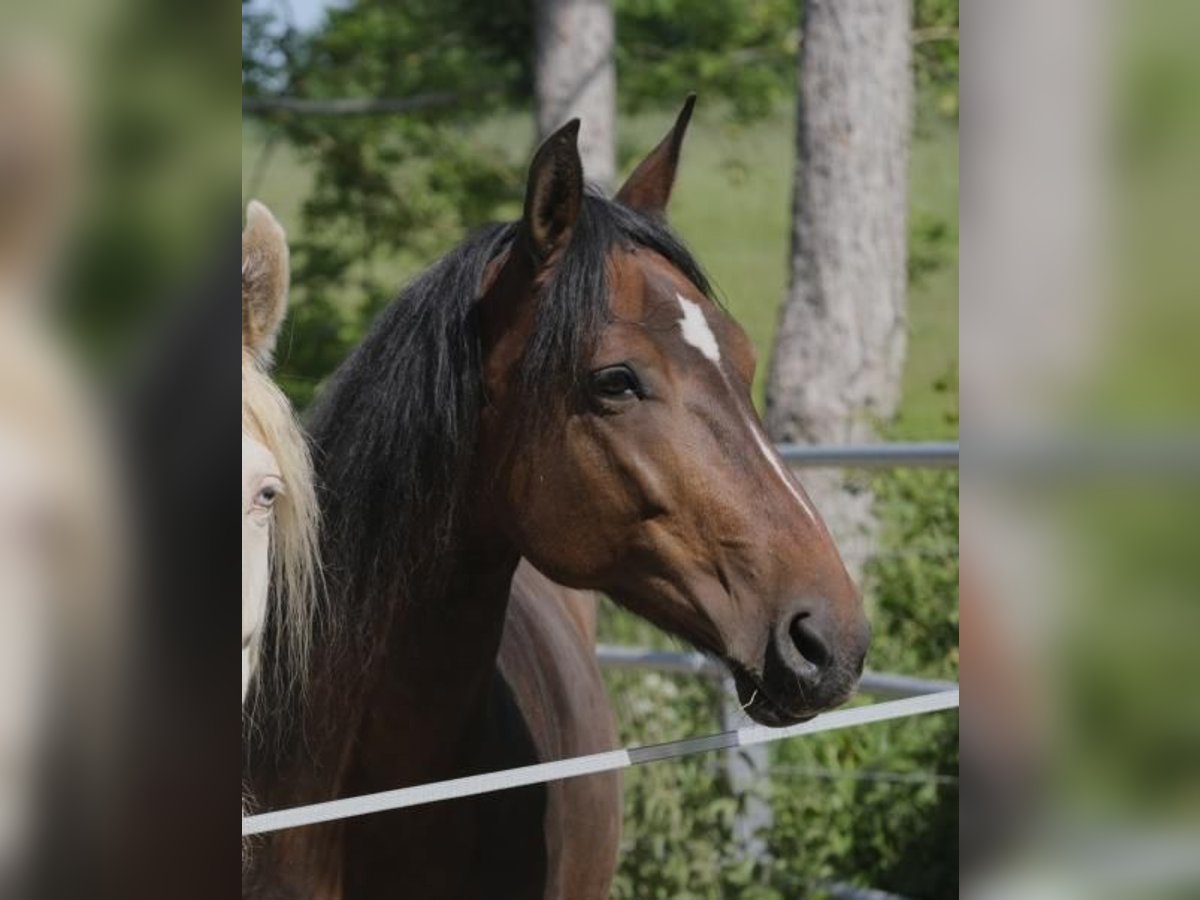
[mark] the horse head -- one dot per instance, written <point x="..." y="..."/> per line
<point x="644" y="471"/>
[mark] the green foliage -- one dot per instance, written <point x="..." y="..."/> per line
<point x="387" y="189"/>
<point x="742" y="51"/>
<point x="412" y="189"/>
<point x="874" y="806"/>
<point x="914" y="579"/>
<point x="390" y="187"/>
<point x="378" y="197"/>
<point x="385" y="186"/>
<point x="935" y="59"/>
<point x="930" y="388"/>
<point x="677" y="839"/>
<point x="679" y="816"/>
<point x="154" y="136"/>
<point x="894" y="835"/>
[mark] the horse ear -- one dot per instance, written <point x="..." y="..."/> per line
<point x="264" y="279"/>
<point x="554" y="194"/>
<point x="648" y="189"/>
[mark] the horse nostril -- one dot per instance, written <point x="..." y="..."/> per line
<point x="809" y="644"/>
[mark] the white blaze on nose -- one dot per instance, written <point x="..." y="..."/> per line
<point x="773" y="459"/>
<point x="698" y="333"/>
<point x="696" y="330"/>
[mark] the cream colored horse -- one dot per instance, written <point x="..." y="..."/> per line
<point x="61" y="531"/>
<point x="279" y="510"/>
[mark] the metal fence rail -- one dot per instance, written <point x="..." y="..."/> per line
<point x="1074" y="456"/>
<point x="902" y="696"/>
<point x="885" y="685"/>
<point x="573" y="767"/>
<point x="926" y="454"/>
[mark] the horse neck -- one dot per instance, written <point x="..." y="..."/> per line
<point x="418" y="718"/>
<point x="442" y="649"/>
<point x="436" y="668"/>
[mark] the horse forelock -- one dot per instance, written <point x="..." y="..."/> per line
<point x="296" y="582"/>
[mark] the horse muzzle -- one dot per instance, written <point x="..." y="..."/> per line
<point x="810" y="664"/>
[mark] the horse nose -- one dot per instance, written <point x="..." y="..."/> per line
<point x="803" y="645"/>
<point x="811" y="643"/>
<point x="811" y="650"/>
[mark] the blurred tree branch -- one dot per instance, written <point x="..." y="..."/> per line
<point x="355" y="106"/>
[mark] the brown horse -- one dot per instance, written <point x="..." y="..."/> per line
<point x="562" y="389"/>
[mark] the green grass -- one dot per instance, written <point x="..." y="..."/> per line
<point x="929" y="408"/>
<point x="274" y="174"/>
<point x="732" y="205"/>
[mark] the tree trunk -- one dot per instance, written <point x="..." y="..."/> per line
<point x="840" y="346"/>
<point x="575" y="76"/>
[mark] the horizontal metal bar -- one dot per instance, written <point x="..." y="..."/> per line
<point x="573" y="767"/>
<point x="1077" y="457"/>
<point x="1068" y="456"/>
<point x="929" y="455"/>
<point x="877" y="684"/>
<point x="890" y="686"/>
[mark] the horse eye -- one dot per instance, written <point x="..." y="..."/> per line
<point x="267" y="495"/>
<point x="616" y="383"/>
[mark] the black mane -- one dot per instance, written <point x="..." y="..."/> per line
<point x="394" y="431"/>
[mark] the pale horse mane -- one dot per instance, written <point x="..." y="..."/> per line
<point x="296" y="581"/>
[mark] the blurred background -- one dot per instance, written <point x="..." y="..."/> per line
<point x="119" y="132"/>
<point x="1080" y="314"/>
<point x="380" y="132"/>
<point x="1080" y="131"/>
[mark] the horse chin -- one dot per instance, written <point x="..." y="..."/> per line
<point x="758" y="704"/>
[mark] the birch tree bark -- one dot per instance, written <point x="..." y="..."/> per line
<point x="839" y="351"/>
<point x="575" y="75"/>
